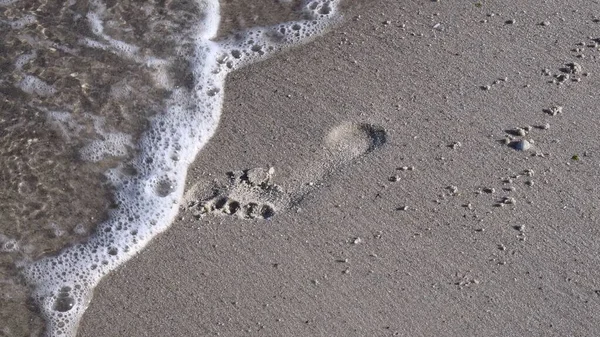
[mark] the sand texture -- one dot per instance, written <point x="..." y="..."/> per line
<point x="377" y="182"/>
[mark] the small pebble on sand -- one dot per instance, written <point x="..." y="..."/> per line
<point x="574" y="68"/>
<point x="555" y="110"/>
<point x="521" y="145"/>
<point x="560" y="79"/>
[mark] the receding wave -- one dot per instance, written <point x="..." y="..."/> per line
<point x="132" y="94"/>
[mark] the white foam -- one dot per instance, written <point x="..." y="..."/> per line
<point x="207" y="29"/>
<point x="23" y="60"/>
<point x="7" y="2"/>
<point x="94" y="18"/>
<point x="258" y="43"/>
<point x="23" y="22"/>
<point x="149" y="189"/>
<point x="33" y="85"/>
<point x="8" y="244"/>
<point x="160" y="74"/>
<point x="114" y="144"/>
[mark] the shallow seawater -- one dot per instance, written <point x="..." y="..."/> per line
<point x="71" y="110"/>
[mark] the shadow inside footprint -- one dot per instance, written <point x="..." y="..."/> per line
<point x="377" y="135"/>
<point x="351" y="140"/>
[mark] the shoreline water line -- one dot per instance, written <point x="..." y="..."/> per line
<point x="148" y="189"/>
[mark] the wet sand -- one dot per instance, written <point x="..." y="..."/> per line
<point x="443" y="230"/>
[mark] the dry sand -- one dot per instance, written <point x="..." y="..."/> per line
<point x="435" y="253"/>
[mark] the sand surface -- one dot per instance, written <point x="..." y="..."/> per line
<point x="443" y="230"/>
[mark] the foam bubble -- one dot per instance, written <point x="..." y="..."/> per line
<point x="24" y="59"/>
<point x="149" y="188"/>
<point x="8" y="244"/>
<point x="111" y="144"/>
<point x="35" y="86"/>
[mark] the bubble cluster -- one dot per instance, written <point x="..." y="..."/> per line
<point x="6" y="2"/>
<point x="111" y="144"/>
<point x="8" y="244"/>
<point x="23" y="22"/>
<point x="33" y="85"/>
<point x="24" y="59"/>
<point x="254" y="44"/>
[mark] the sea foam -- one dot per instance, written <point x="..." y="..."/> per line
<point x="149" y="188"/>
